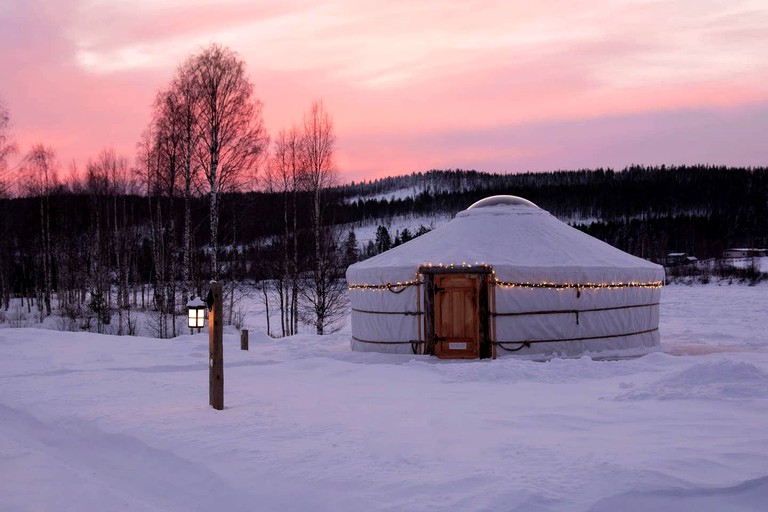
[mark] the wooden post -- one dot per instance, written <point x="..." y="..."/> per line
<point x="244" y="339"/>
<point x="216" y="348"/>
<point x="429" y="314"/>
<point x="485" y="343"/>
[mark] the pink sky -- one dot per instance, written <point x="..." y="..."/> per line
<point x="412" y="85"/>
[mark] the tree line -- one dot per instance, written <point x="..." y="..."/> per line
<point x="107" y="244"/>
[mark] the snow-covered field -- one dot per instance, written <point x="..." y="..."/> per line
<point x="366" y="231"/>
<point x="101" y="423"/>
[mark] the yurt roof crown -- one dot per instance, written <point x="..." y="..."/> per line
<point x="502" y="200"/>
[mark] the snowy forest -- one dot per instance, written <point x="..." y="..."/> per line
<point x="106" y="246"/>
<point x="107" y="250"/>
<point x="142" y="233"/>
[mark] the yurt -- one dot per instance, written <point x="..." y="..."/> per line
<point x="505" y="277"/>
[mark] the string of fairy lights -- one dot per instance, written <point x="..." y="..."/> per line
<point x="495" y="281"/>
<point x="388" y="286"/>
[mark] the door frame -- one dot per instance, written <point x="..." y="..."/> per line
<point x="429" y="273"/>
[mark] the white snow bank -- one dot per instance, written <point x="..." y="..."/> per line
<point x="717" y="380"/>
<point x="747" y="495"/>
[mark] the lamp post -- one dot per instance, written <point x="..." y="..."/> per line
<point x="196" y="320"/>
<point x="215" y="346"/>
<point x="195" y="314"/>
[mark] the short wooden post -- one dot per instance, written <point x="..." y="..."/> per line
<point x="216" y="348"/>
<point x="485" y="343"/>
<point x="429" y="314"/>
<point x="244" y="339"/>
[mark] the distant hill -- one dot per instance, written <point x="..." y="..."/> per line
<point x="647" y="211"/>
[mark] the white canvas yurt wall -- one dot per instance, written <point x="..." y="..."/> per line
<point x="554" y="290"/>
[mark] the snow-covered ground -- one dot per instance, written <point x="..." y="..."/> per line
<point x="392" y="195"/>
<point x="366" y="231"/>
<point x="94" y="423"/>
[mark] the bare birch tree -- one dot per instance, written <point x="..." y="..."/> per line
<point x="231" y="129"/>
<point x="277" y="180"/>
<point x="169" y="140"/>
<point x="150" y="163"/>
<point x="99" y="186"/>
<point x="325" y="294"/>
<point x="187" y="94"/>
<point x="319" y="148"/>
<point x="39" y="178"/>
<point x="114" y="169"/>
<point x="285" y="175"/>
<point x="7" y="148"/>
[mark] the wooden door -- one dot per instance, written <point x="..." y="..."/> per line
<point x="457" y="333"/>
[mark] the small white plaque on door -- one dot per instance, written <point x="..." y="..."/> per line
<point x="457" y="346"/>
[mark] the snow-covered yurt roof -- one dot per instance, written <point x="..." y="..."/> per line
<point x="520" y="241"/>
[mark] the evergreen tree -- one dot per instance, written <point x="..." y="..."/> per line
<point x="383" y="240"/>
<point x="370" y="249"/>
<point x="350" y="249"/>
<point x="422" y="229"/>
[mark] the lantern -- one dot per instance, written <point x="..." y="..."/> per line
<point x="196" y="314"/>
